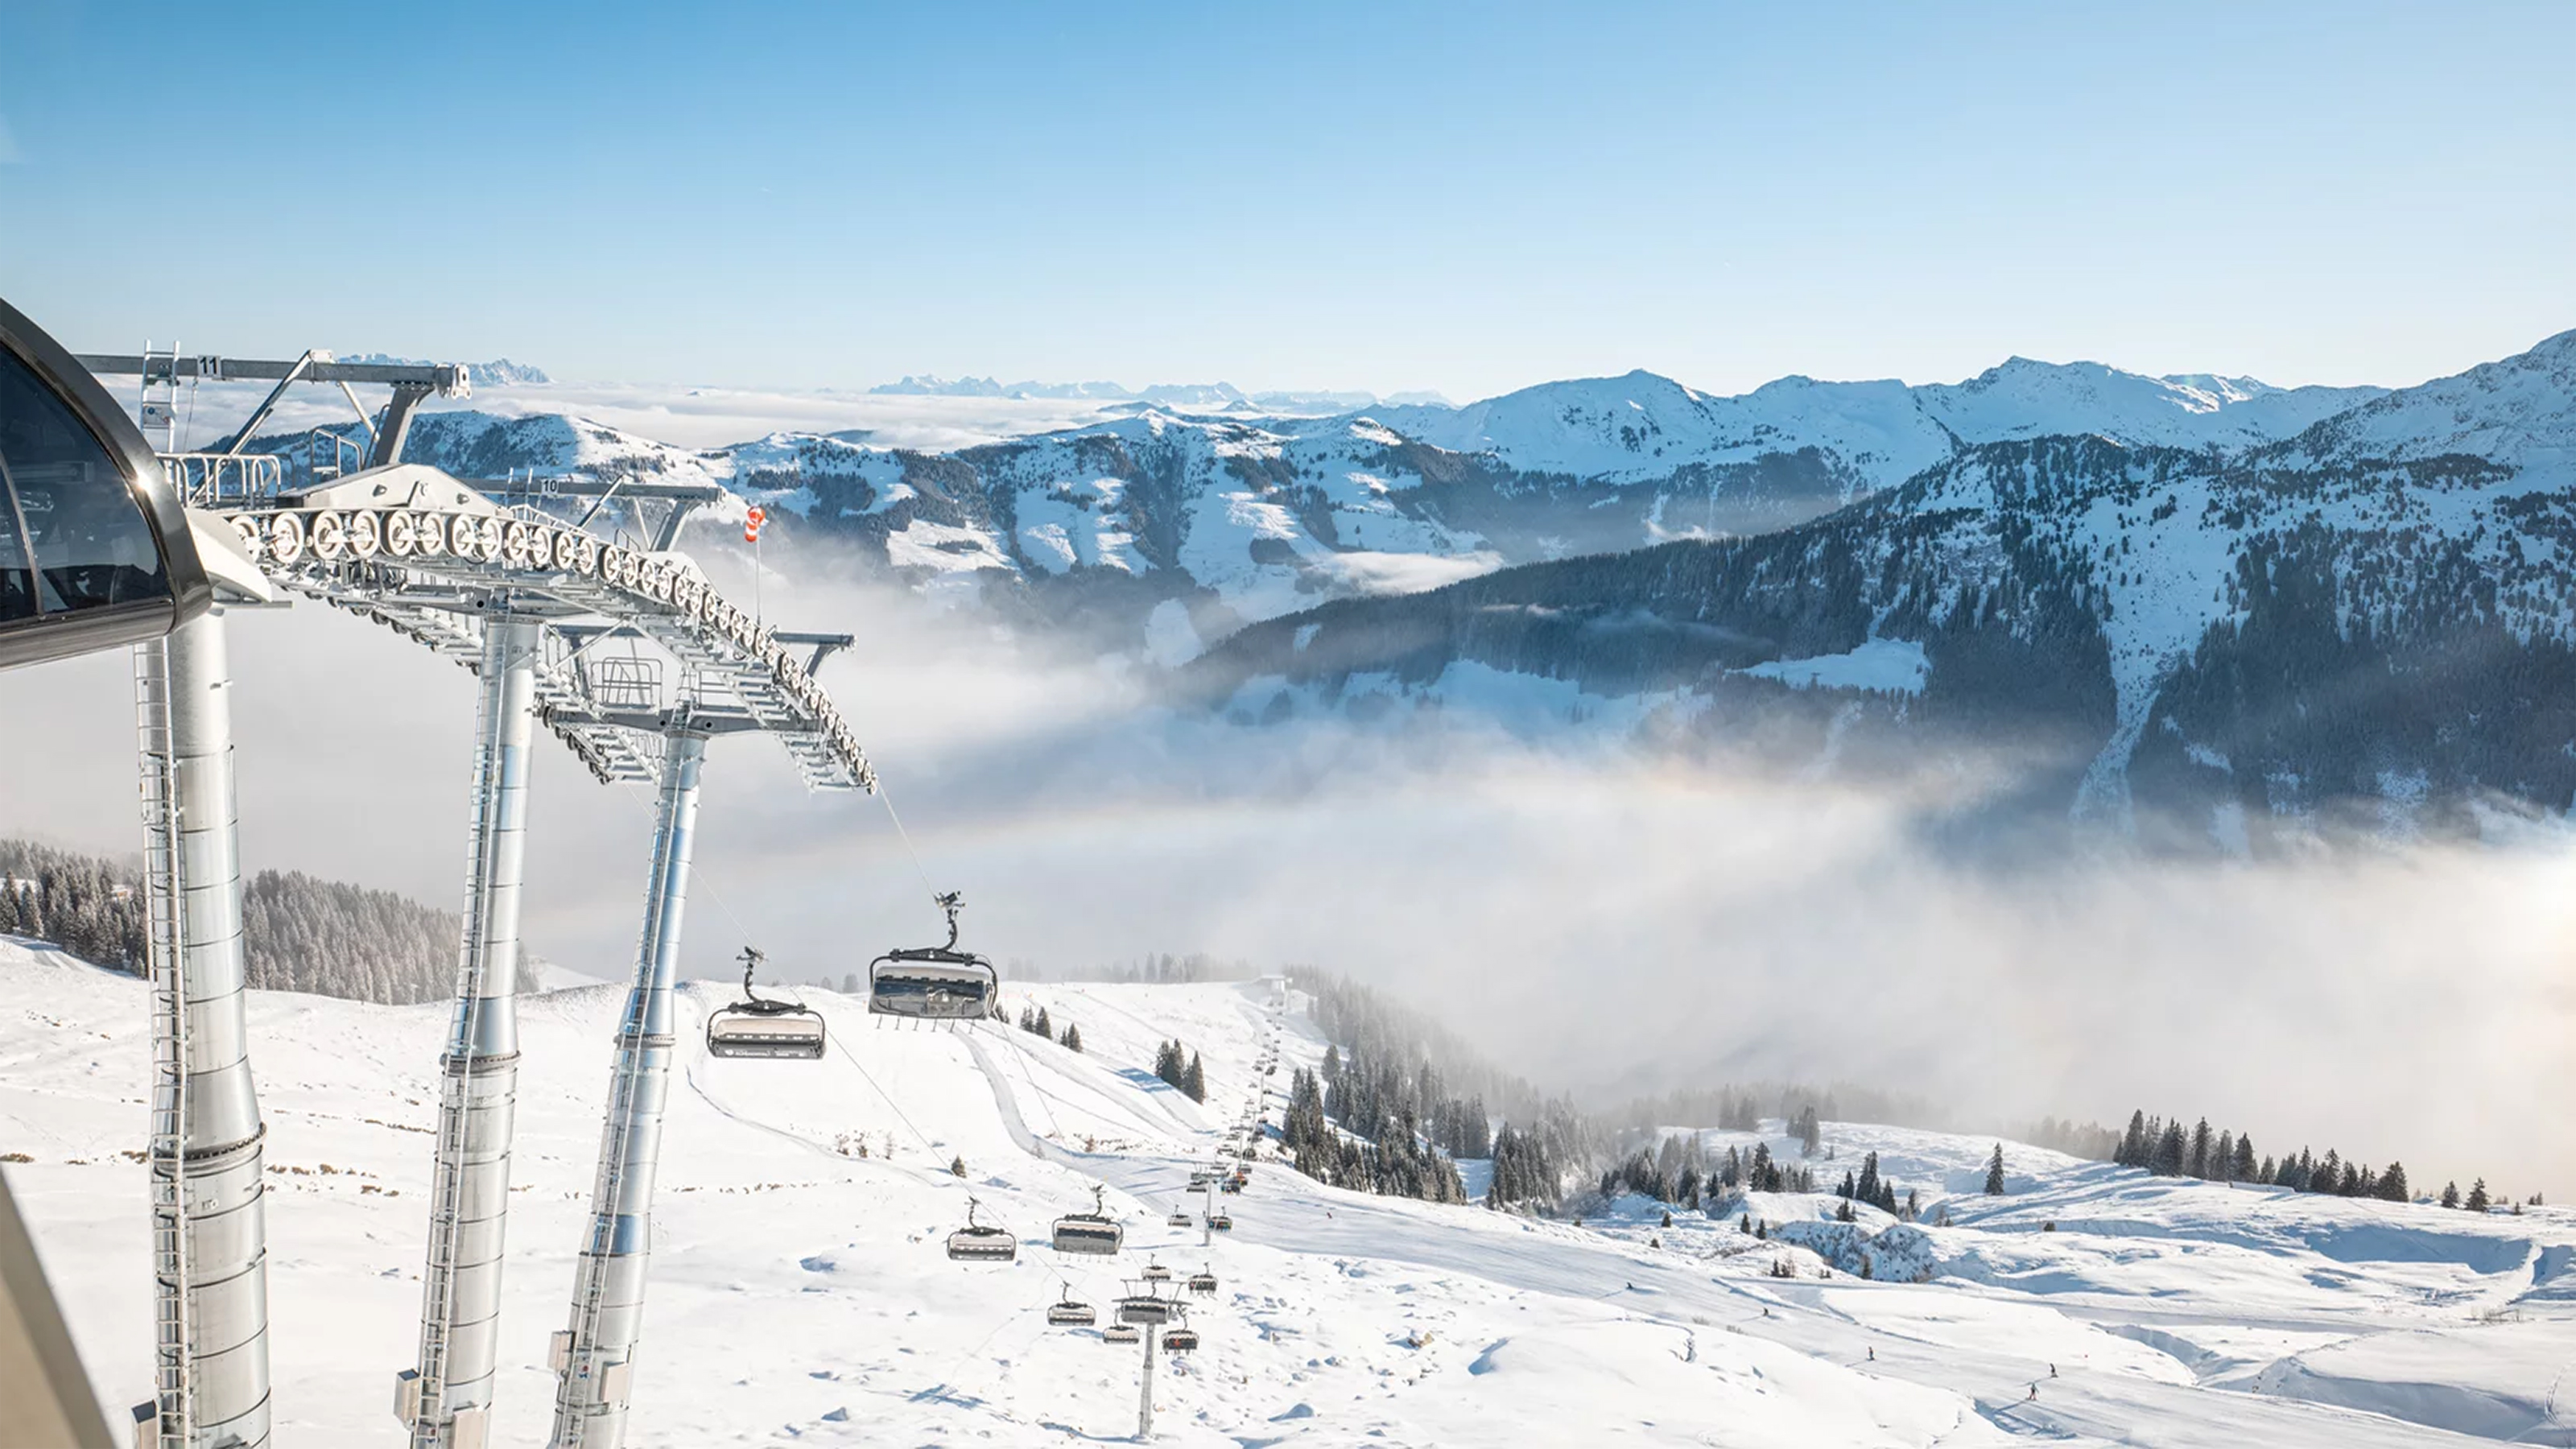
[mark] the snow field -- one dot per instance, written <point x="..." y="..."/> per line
<point x="800" y="1293"/>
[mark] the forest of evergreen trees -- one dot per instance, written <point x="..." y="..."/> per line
<point x="1035" y="1021"/>
<point x="2169" y="1149"/>
<point x="1181" y="1067"/>
<point x="299" y="932"/>
<point x="1415" y="1098"/>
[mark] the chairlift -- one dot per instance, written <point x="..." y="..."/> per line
<point x="1221" y="1223"/>
<point x="1120" y="1333"/>
<point x="1180" y="1340"/>
<point x="759" y="1027"/>
<point x="977" y="1243"/>
<point x="1203" y="1283"/>
<point x="1094" y="1232"/>
<point x="1071" y="1314"/>
<point x="933" y="983"/>
<point x="1145" y="1309"/>
<point x="1178" y="1220"/>
<point x="1157" y="1273"/>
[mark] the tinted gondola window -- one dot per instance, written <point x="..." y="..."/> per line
<point x="72" y="534"/>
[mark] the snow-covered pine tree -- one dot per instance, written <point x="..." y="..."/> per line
<point x="1995" y="1172"/>
<point x="2392" y="1184"/>
<point x="2450" y="1194"/>
<point x="2170" y="1150"/>
<point x="2133" y="1143"/>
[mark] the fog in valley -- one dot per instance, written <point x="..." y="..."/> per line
<point x="1598" y="918"/>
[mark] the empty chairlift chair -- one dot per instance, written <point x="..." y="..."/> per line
<point x="1070" y="1314"/>
<point x="1145" y="1310"/>
<point x="1120" y="1333"/>
<point x="1157" y="1273"/>
<point x="1094" y="1232"/>
<point x="1178" y="1220"/>
<point x="933" y="983"/>
<point x="1203" y="1283"/>
<point x="979" y="1243"/>
<point x="758" y="1027"/>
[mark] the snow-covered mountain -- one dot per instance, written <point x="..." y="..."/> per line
<point x="499" y="372"/>
<point x="1199" y="396"/>
<point x="1163" y="513"/>
<point x="798" y="1290"/>
<point x="2378" y="607"/>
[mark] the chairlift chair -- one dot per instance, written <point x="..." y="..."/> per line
<point x="759" y="1027"/>
<point x="1145" y="1309"/>
<point x="1221" y="1223"/>
<point x="1120" y="1333"/>
<point x="1180" y="1340"/>
<point x="1070" y="1314"/>
<point x="933" y="983"/>
<point x="1203" y="1283"/>
<point x="978" y="1243"/>
<point x="1157" y="1273"/>
<point x="1178" y="1220"/>
<point x="1094" y="1232"/>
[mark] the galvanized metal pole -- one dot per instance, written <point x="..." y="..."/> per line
<point x="1145" y="1400"/>
<point x="211" y="1258"/>
<point x="594" y="1358"/>
<point x="447" y="1398"/>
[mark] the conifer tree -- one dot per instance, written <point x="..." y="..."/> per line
<point x="2392" y="1184"/>
<point x="2133" y="1143"/>
<point x="1995" y="1172"/>
<point x="2168" y="1161"/>
<point x="1072" y="1037"/>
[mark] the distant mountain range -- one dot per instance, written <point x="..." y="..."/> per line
<point x="1200" y="396"/>
<point x="2208" y="604"/>
<point x="500" y="372"/>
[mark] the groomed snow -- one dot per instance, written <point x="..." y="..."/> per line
<point x="799" y="1293"/>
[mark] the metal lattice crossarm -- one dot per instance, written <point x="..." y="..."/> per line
<point x="425" y="554"/>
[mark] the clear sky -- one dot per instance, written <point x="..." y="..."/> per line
<point x="1468" y="198"/>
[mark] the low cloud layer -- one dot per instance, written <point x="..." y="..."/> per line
<point x="1598" y="920"/>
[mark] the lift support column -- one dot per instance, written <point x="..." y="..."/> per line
<point x="209" y="1235"/>
<point x="594" y="1358"/>
<point x="447" y="1399"/>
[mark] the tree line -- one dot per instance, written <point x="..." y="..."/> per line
<point x="1035" y="1021"/>
<point x="299" y="932"/>
<point x="1400" y="1162"/>
<point x="1181" y="1067"/>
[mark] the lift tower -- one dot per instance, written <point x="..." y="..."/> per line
<point x="539" y="606"/>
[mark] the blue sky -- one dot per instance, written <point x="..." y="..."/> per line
<point x="1467" y="198"/>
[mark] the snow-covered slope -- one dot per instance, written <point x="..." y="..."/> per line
<point x="799" y="1292"/>
<point x="2375" y="608"/>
